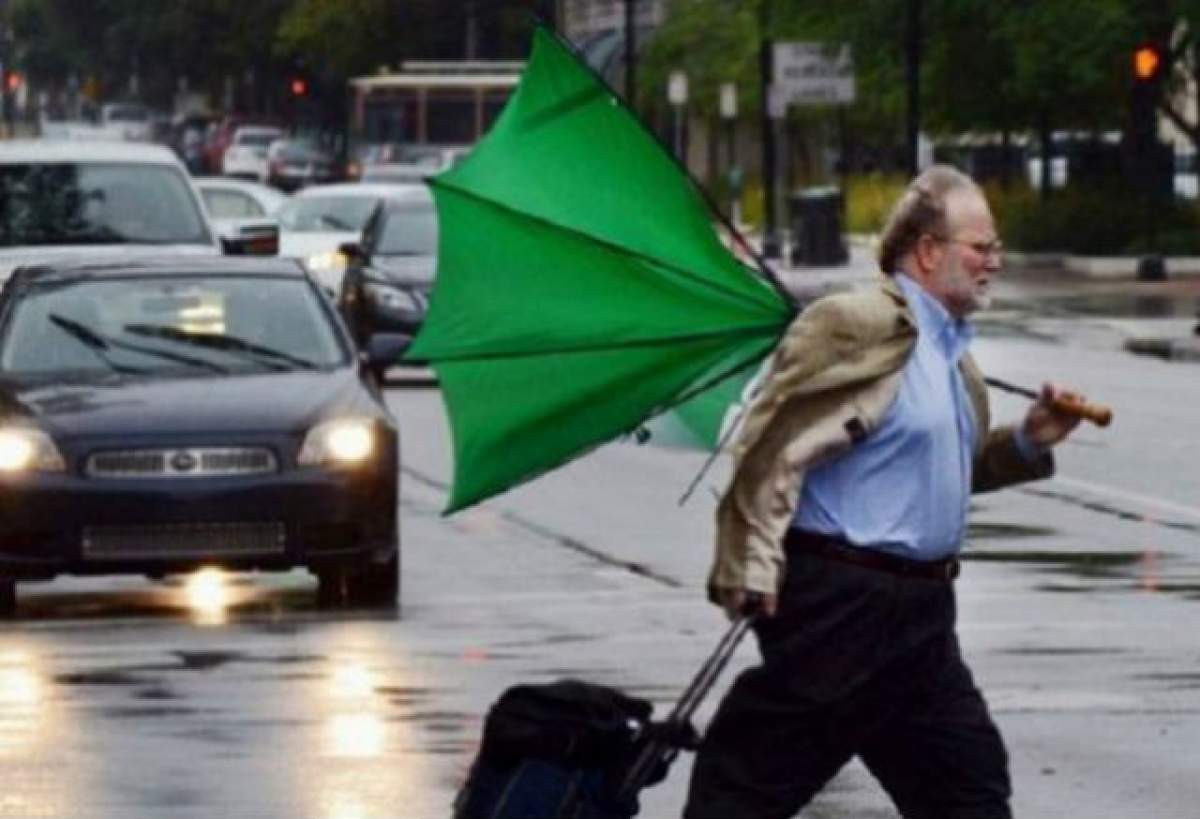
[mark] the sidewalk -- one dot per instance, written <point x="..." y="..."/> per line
<point x="1173" y="339"/>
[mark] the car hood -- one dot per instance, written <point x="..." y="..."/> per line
<point x="256" y="402"/>
<point x="13" y="257"/>
<point x="412" y="271"/>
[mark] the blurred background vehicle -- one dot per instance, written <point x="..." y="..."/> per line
<point x="319" y="219"/>
<point x="240" y="209"/>
<point x="294" y="163"/>
<point x="390" y="271"/>
<point x="77" y="199"/>
<point x="126" y="120"/>
<point x="410" y="163"/>
<point x="246" y="155"/>
<point x="220" y="134"/>
<point x="252" y="436"/>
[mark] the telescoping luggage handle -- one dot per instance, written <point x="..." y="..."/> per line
<point x="660" y="751"/>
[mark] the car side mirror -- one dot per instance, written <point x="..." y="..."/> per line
<point x="384" y="350"/>
<point x="251" y="238"/>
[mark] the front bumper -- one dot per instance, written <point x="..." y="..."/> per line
<point x="315" y="517"/>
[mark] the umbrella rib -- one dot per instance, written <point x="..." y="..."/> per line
<point x="612" y="246"/>
<point x="768" y="273"/>
<point x="567" y="349"/>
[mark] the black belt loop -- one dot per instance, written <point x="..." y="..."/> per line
<point x="833" y="548"/>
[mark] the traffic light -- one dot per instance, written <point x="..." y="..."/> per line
<point x="1147" y="63"/>
<point x="298" y="86"/>
<point x="12" y="82"/>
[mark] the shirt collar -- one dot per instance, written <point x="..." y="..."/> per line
<point x="951" y="335"/>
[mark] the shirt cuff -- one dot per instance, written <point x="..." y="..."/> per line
<point x="1028" y="449"/>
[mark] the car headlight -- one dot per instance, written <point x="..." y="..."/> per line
<point x="392" y="298"/>
<point x="328" y="261"/>
<point x="25" y="449"/>
<point x="341" y="441"/>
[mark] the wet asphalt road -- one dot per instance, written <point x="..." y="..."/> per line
<point x="120" y="698"/>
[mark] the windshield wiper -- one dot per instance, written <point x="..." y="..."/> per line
<point x="221" y="341"/>
<point x="101" y="344"/>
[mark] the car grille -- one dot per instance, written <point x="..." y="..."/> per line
<point x="181" y="463"/>
<point x="183" y="540"/>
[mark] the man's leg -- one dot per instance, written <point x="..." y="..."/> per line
<point x="763" y="757"/>
<point x="940" y="755"/>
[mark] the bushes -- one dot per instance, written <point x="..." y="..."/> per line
<point x="1097" y="222"/>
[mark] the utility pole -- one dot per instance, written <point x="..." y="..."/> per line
<point x="770" y="245"/>
<point x="630" y="55"/>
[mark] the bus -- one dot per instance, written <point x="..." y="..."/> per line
<point x="431" y="102"/>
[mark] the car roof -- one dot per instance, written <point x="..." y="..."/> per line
<point x="414" y="190"/>
<point x="266" y="266"/>
<point x="81" y="150"/>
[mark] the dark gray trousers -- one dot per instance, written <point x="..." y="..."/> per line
<point x="857" y="662"/>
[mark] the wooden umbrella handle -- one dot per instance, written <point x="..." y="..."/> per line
<point x="1098" y="414"/>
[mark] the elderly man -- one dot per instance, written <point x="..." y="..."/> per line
<point x="843" y="522"/>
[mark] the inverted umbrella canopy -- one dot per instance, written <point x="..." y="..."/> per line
<point x="581" y="287"/>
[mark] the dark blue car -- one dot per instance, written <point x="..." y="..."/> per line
<point x="159" y="416"/>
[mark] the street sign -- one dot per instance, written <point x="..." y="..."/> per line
<point x="814" y="73"/>
<point x="583" y="17"/>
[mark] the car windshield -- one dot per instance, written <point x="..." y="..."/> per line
<point x="153" y="325"/>
<point x="327" y="213"/>
<point x="410" y="230"/>
<point x="86" y="203"/>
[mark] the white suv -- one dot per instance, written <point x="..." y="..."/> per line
<point x="91" y="199"/>
<point x="246" y="155"/>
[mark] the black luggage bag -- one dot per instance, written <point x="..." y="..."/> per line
<point x="574" y="750"/>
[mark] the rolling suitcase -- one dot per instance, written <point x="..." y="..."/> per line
<point x="574" y="750"/>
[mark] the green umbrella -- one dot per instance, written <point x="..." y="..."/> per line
<point x="581" y="287"/>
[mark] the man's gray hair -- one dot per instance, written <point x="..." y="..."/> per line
<point x="921" y="210"/>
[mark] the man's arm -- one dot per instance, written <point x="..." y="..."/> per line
<point x="1013" y="455"/>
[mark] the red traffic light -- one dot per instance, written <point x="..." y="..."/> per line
<point x="299" y="87"/>
<point x="1147" y="63"/>
<point x="12" y="82"/>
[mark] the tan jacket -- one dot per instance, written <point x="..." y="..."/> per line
<point x="832" y="379"/>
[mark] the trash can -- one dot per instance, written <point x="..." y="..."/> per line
<point x="815" y="217"/>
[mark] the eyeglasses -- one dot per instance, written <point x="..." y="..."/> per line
<point x="990" y="248"/>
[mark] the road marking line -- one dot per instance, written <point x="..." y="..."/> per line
<point x="1114" y="492"/>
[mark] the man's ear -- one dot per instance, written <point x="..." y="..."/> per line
<point x="927" y="253"/>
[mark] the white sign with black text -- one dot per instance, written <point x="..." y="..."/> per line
<point x="814" y="73"/>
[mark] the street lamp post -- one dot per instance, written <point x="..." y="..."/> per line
<point x="729" y="115"/>
<point x="677" y="94"/>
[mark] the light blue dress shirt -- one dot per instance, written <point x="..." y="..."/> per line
<point x="905" y="488"/>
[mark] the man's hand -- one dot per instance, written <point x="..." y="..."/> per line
<point x="737" y="602"/>
<point x="1045" y="425"/>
